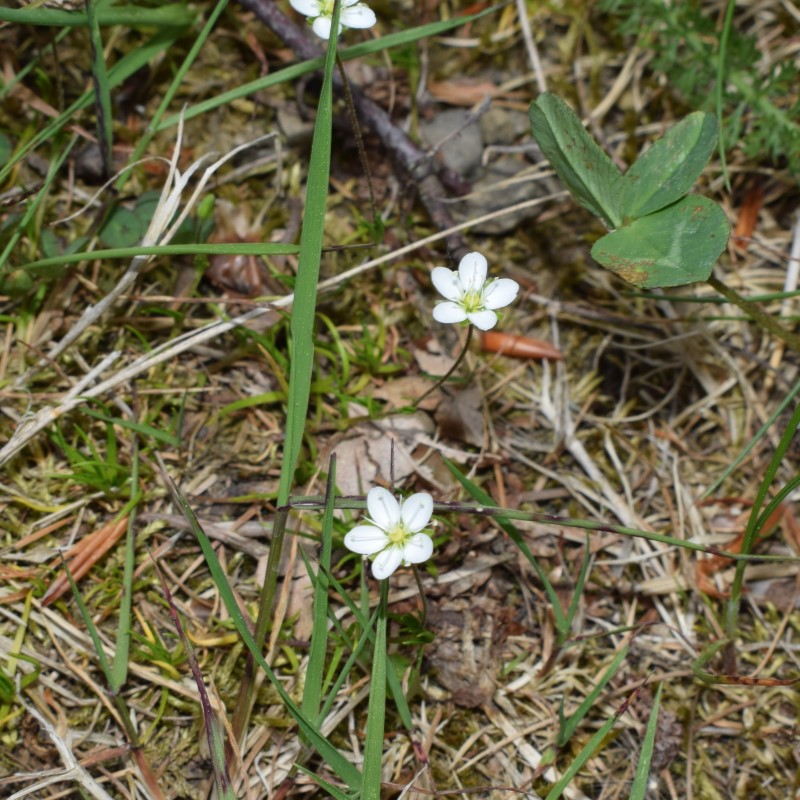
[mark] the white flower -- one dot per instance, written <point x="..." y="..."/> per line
<point x="469" y="295"/>
<point x="352" y="15"/>
<point x="394" y="535"/>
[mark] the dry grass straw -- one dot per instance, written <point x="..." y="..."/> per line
<point x="649" y="406"/>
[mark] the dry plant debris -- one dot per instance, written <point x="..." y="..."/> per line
<point x="628" y="413"/>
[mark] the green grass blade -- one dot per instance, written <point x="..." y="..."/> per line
<point x="395" y="687"/>
<point x="216" y="743"/>
<point x="376" y="712"/>
<point x="176" y="83"/>
<point x="639" y="791"/>
<point x="732" y="611"/>
<point x="90" y="626"/>
<point x="585" y="754"/>
<point x="119" y="73"/>
<point x="14" y="654"/>
<point x="342" y="671"/>
<point x="719" y="89"/>
<point x="562" y="625"/>
<point x="367" y="634"/>
<point x="268" y="398"/>
<point x="105" y="133"/>
<point x="333" y="791"/>
<point x="174" y="15"/>
<point x="312" y="689"/>
<point x="33" y="206"/>
<point x="772" y="506"/>
<point x="289" y="74"/>
<point x="571" y="725"/>
<point x="119" y="667"/>
<point x="32" y="64"/>
<point x="301" y="349"/>
<point x="301" y="352"/>
<point x="579" y="584"/>
<point x="784" y="404"/>
<point x="337" y="762"/>
<point x="141" y="428"/>
<point x="206" y="249"/>
<point x="706" y="655"/>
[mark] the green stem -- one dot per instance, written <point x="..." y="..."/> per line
<point x="376" y="712"/>
<point x="452" y="369"/>
<point x="317" y="502"/>
<point x="301" y="360"/>
<point x="102" y="90"/>
<point x="723" y="54"/>
<point x="244" y="703"/>
<point x="752" y="530"/>
<point x="756" y="314"/>
<point x="418" y="579"/>
<point x="177" y="83"/>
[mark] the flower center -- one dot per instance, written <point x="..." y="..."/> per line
<point x="398" y="534"/>
<point x="326" y="7"/>
<point x="472" y="301"/>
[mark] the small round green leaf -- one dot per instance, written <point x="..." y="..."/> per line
<point x="673" y="247"/>
<point x="123" y="228"/>
<point x="16" y="282"/>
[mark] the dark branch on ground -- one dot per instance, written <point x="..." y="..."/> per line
<point x="421" y="169"/>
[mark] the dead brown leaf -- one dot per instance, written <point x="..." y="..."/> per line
<point x="462" y="92"/>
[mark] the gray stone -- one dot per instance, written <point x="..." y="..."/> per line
<point x="503" y="126"/>
<point x="456" y="135"/>
<point x="293" y="127"/>
<point x="488" y="194"/>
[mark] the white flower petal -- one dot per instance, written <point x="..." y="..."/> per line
<point x="417" y="549"/>
<point x="387" y="562"/>
<point x="384" y="510"/>
<point x="472" y="271"/>
<point x="311" y="8"/>
<point x="366" y="540"/>
<point x="447" y="283"/>
<point x="360" y="16"/>
<point x="322" y="27"/>
<point x="449" y="312"/>
<point x="483" y="320"/>
<point x="500" y="293"/>
<point x="416" y="511"/>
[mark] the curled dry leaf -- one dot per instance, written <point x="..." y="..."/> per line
<point x="245" y="275"/>
<point x="462" y="92"/>
<point x="507" y="344"/>
<point x="748" y="216"/>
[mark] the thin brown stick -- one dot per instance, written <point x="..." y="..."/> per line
<point x="405" y="153"/>
<point x="362" y="151"/>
